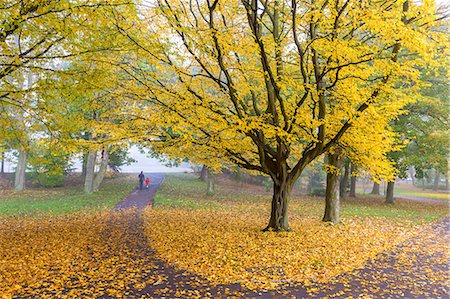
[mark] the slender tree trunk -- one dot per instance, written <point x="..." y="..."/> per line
<point x="344" y="180"/>
<point x="90" y="172"/>
<point x="101" y="172"/>
<point x="437" y="179"/>
<point x="84" y="164"/>
<point x="332" y="204"/>
<point x="211" y="183"/>
<point x="19" y="182"/>
<point x="353" y="181"/>
<point x="282" y="186"/>
<point x="412" y="174"/>
<point x="2" y="170"/>
<point x="203" y="173"/>
<point x="390" y="193"/>
<point x="446" y="183"/>
<point x="375" y="189"/>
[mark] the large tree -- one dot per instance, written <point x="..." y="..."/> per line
<point x="271" y="85"/>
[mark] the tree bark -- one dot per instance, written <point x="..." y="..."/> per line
<point x="83" y="164"/>
<point x="437" y="179"/>
<point x="19" y="182"/>
<point x="90" y="172"/>
<point x="390" y="193"/>
<point x="203" y="173"/>
<point x="375" y="189"/>
<point x="412" y="174"/>
<point x="98" y="179"/>
<point x="344" y="180"/>
<point x="2" y="169"/>
<point x="211" y="184"/>
<point x="282" y="185"/>
<point x="332" y="202"/>
<point x="353" y="181"/>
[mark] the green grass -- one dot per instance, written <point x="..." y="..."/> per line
<point x="409" y="190"/>
<point x="65" y="200"/>
<point x="424" y="194"/>
<point x="186" y="191"/>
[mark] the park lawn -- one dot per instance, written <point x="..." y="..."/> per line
<point x="423" y="194"/>
<point x="186" y="191"/>
<point x="220" y="237"/>
<point x="409" y="190"/>
<point x="65" y="200"/>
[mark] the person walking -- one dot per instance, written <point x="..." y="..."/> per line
<point x="147" y="182"/>
<point x="141" y="177"/>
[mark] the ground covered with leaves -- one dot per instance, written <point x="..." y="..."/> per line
<point x="64" y="256"/>
<point x="220" y="238"/>
<point x="194" y="246"/>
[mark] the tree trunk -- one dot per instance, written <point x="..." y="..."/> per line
<point x="437" y="179"/>
<point x="390" y="193"/>
<point x="412" y="174"/>
<point x="353" y="181"/>
<point x="281" y="189"/>
<point x="84" y="164"/>
<point x="446" y="183"/>
<point x="2" y="169"/>
<point x="101" y="172"/>
<point x="344" y="180"/>
<point x="90" y="171"/>
<point x="203" y="173"/>
<point x="19" y="182"/>
<point x="332" y="204"/>
<point x="211" y="184"/>
<point x="375" y="189"/>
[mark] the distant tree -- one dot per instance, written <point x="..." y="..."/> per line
<point x="119" y="157"/>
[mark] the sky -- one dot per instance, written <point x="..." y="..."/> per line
<point x="147" y="164"/>
<point x="143" y="163"/>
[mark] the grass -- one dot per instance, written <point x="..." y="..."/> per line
<point x="409" y="190"/>
<point x="424" y="194"/>
<point x="64" y="200"/>
<point x="186" y="191"/>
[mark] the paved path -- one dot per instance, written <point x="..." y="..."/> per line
<point x="141" y="198"/>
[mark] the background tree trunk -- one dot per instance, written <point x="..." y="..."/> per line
<point x="412" y="174"/>
<point x="101" y="172"/>
<point x="332" y="204"/>
<point x="353" y="181"/>
<point x="390" y="193"/>
<point x="344" y="179"/>
<point x="2" y="169"/>
<point x="437" y="179"/>
<point x="210" y="183"/>
<point x="203" y="173"/>
<point x="84" y="164"/>
<point x="375" y="189"/>
<point x="19" y="182"/>
<point x="90" y="169"/>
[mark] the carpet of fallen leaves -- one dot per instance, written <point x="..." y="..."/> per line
<point x="83" y="254"/>
<point x="417" y="268"/>
<point x="228" y="246"/>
